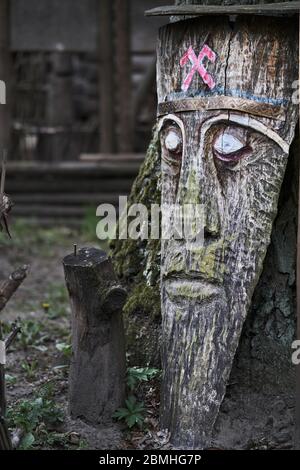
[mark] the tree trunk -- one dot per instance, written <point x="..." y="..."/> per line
<point x="258" y="407"/>
<point x="98" y="368"/>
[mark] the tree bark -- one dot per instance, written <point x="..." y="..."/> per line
<point x="9" y="287"/>
<point x="98" y="368"/>
<point x="259" y="403"/>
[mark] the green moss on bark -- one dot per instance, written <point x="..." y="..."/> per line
<point x="137" y="264"/>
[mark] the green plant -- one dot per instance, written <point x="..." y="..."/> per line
<point x="30" y="368"/>
<point x="10" y="379"/>
<point x="30" y="334"/>
<point x="83" y="444"/>
<point x="44" y="438"/>
<point x="132" y="414"/>
<point x="6" y="328"/>
<point x="135" y="375"/>
<point x="30" y="414"/>
<point x="65" y="349"/>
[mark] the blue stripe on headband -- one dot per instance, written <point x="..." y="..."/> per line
<point x="234" y="93"/>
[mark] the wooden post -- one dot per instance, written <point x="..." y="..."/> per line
<point x="59" y="108"/>
<point x="7" y="289"/>
<point x="5" y="75"/>
<point x="106" y="78"/>
<point x="5" y="441"/>
<point x="97" y="376"/>
<point x="123" y="75"/>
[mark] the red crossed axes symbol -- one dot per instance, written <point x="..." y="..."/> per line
<point x="197" y="63"/>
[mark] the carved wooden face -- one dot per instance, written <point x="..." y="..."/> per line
<point x="226" y="123"/>
<point x="232" y="165"/>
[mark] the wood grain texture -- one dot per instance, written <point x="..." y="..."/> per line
<point x="207" y="289"/>
<point x="97" y="375"/>
<point x="9" y="286"/>
<point x="280" y="8"/>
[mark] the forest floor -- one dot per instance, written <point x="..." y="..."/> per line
<point x="38" y="361"/>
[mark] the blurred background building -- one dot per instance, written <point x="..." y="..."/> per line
<point x="81" y="101"/>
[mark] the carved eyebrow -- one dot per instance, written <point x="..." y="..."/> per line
<point x="172" y="117"/>
<point x="179" y="122"/>
<point x="246" y="121"/>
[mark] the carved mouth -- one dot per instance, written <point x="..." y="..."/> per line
<point x="191" y="289"/>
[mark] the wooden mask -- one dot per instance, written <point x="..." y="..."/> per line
<point x="227" y="119"/>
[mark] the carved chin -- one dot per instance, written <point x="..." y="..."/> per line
<point x="191" y="307"/>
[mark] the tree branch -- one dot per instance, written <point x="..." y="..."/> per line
<point x="9" y="287"/>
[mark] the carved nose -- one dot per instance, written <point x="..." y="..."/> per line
<point x="212" y="224"/>
<point x="201" y="190"/>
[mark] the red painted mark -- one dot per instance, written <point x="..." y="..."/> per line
<point x="197" y="63"/>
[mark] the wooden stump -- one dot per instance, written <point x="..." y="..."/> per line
<point x="97" y="375"/>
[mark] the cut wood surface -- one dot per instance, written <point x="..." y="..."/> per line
<point x="197" y="10"/>
<point x="98" y="369"/>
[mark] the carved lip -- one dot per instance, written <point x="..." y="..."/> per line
<point x="192" y="289"/>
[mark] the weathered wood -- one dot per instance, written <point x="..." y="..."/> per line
<point x="281" y="8"/>
<point x="5" y="202"/>
<point x="5" y="439"/>
<point x="122" y="157"/>
<point x="16" y="329"/>
<point x="114" y="168"/>
<point x="59" y="107"/>
<point x="9" y="287"/>
<point x="80" y="199"/>
<point x="53" y="190"/>
<point x="42" y="210"/>
<point x="123" y="75"/>
<point x="106" y="76"/>
<point x="98" y="368"/>
<point x="207" y="287"/>
<point x="5" y="442"/>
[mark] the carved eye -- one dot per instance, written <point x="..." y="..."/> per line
<point x="230" y="146"/>
<point x="172" y="142"/>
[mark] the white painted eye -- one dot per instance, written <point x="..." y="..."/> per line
<point x="226" y="143"/>
<point x="173" y="141"/>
